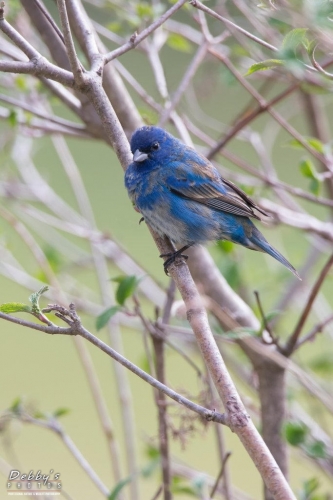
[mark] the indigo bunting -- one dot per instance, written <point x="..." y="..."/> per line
<point x="181" y="195"/>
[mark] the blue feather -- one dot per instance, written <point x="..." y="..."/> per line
<point x="182" y="195"/>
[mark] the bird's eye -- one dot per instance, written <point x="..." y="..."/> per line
<point x="155" y="146"/>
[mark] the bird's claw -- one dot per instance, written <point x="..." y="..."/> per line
<point x="173" y="256"/>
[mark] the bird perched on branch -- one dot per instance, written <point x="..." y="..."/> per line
<point x="181" y="195"/>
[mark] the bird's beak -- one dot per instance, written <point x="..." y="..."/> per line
<point x="139" y="156"/>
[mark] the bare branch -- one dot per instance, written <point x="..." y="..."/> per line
<point x="136" y="39"/>
<point x="292" y="341"/>
<point x="76" y="66"/>
<point x="78" y="329"/>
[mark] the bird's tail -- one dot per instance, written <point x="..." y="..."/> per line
<point x="259" y="242"/>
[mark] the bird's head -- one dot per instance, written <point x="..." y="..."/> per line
<point x="151" y="145"/>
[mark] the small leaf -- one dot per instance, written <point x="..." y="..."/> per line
<point x="178" y="42"/>
<point x="15" y="406"/>
<point x="21" y="82"/>
<point x="311" y="141"/>
<point x="144" y="10"/>
<point x="315" y="186"/>
<point x="117" y="489"/>
<point x="308" y="169"/>
<point x="34" y="297"/>
<point x="226" y="246"/>
<point x="12" y="118"/>
<point x="317" y="449"/>
<point x="126" y="288"/>
<point x="310" y="486"/>
<point x="60" y="412"/>
<point x="294" y="38"/>
<point x="12" y="307"/>
<point x="150" y="468"/>
<point x="105" y="316"/>
<point x="271" y="315"/>
<point x="295" y="433"/>
<point x="264" y="65"/>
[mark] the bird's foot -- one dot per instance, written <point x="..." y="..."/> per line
<point x="172" y="257"/>
<point x="141" y="220"/>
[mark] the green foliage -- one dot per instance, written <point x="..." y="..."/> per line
<point x="34" y="299"/>
<point x="264" y="65"/>
<point x="295" y="433"/>
<point x="126" y="287"/>
<point x="12" y="118"/>
<point x="226" y="246"/>
<point x="308" y="169"/>
<point x="180" y="486"/>
<point x="117" y="489"/>
<point x="16" y="405"/>
<point x="21" y="83"/>
<point x="144" y="10"/>
<point x="105" y="316"/>
<point x="323" y="363"/>
<point x="13" y="307"/>
<point x="294" y="38"/>
<point x="315" y="143"/>
<point x="60" y="412"/>
<point x="178" y="42"/>
<point x="316" y="449"/>
<point x="309" y="487"/>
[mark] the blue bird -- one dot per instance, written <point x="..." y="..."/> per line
<point x="181" y="195"/>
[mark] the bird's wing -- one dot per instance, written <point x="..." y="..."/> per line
<point x="202" y="183"/>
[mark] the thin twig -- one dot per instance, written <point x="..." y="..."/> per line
<point x="220" y="475"/>
<point x="78" y="329"/>
<point x="204" y="8"/>
<point x="136" y="39"/>
<point x="76" y="66"/>
<point x="312" y="334"/>
<point x="292" y="341"/>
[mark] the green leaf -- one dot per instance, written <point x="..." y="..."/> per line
<point x="13" y="307"/>
<point x="15" y="406"/>
<point x="295" y="433"/>
<point x="226" y="246"/>
<point x="271" y="315"/>
<point x="311" y="141"/>
<point x="144" y="10"/>
<point x="178" y="42"/>
<point x="117" y="489"/>
<point x="150" y="468"/>
<point x="126" y="288"/>
<point x="323" y="364"/>
<point x="315" y="186"/>
<point x="21" y="82"/>
<point x="264" y="65"/>
<point x="105" y="316"/>
<point x="34" y="297"/>
<point x="12" y="118"/>
<point x="60" y="412"/>
<point x="317" y="449"/>
<point x="310" y="487"/>
<point x="294" y="38"/>
<point x="308" y="169"/>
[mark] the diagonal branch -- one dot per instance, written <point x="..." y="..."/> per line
<point x="77" y="328"/>
<point x="136" y="39"/>
<point x="292" y="341"/>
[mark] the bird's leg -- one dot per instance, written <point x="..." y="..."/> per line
<point x="141" y="220"/>
<point x="173" y="256"/>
